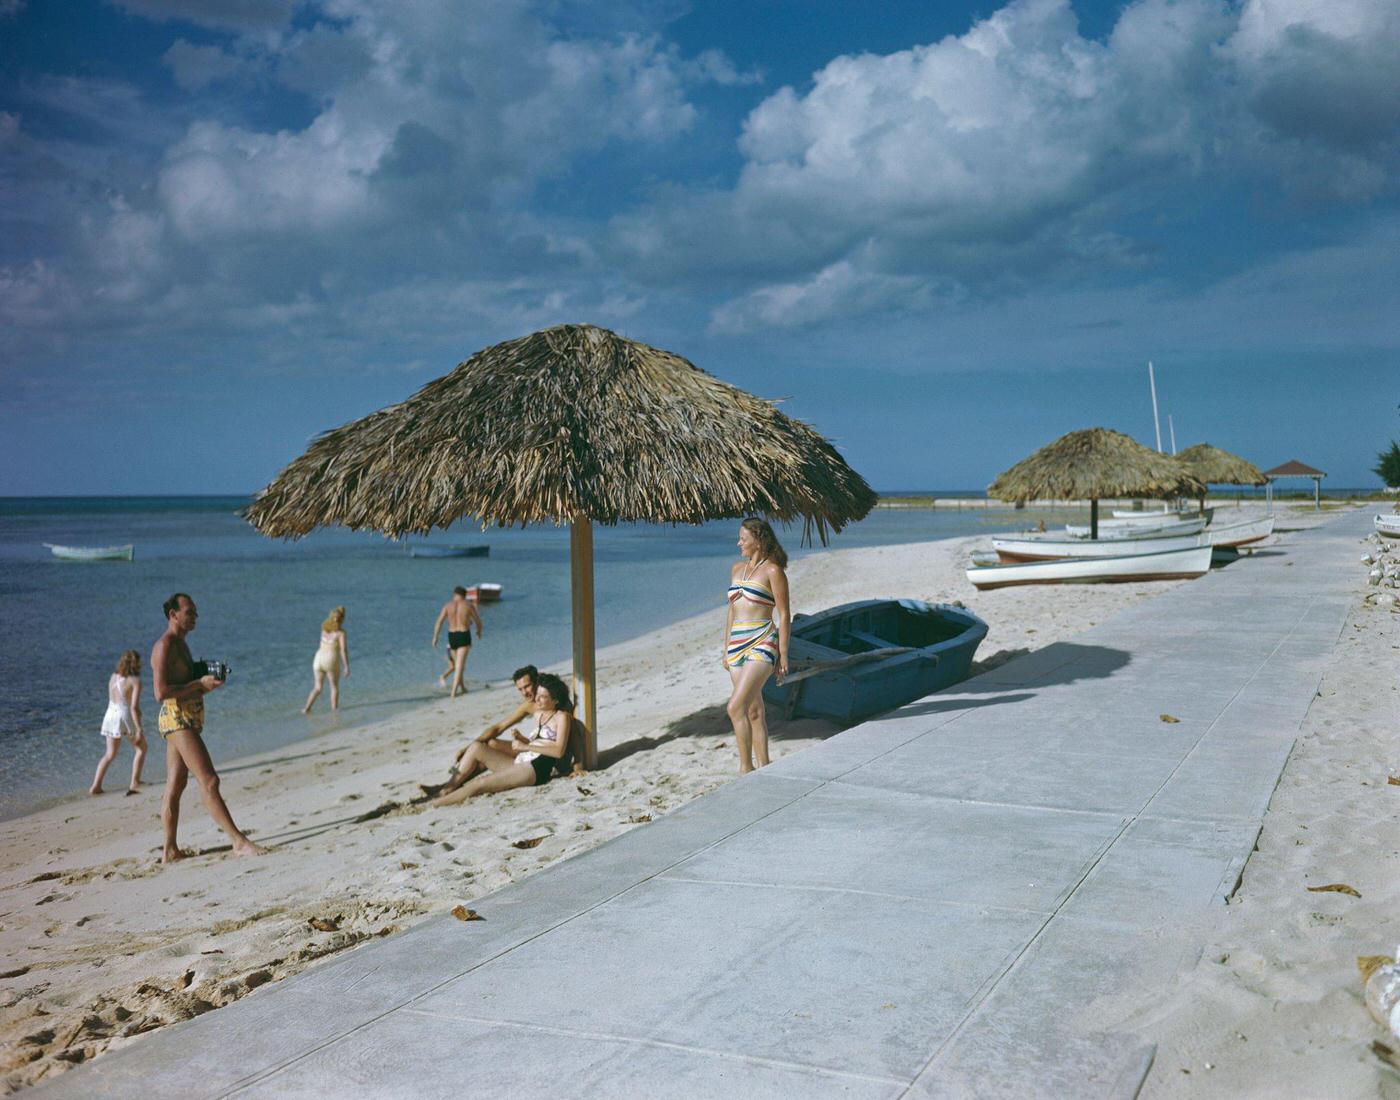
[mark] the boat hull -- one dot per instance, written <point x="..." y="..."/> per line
<point x="1240" y="534"/>
<point x="1389" y="526"/>
<point x="1124" y="515"/>
<point x="944" y="640"/>
<point x="1167" y="565"/>
<point x="1016" y="549"/>
<point x="92" y="553"/>
<point x="449" y="551"/>
<point x="1110" y="530"/>
<point x="484" y="593"/>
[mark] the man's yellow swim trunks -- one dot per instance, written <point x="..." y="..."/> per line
<point x="181" y="714"/>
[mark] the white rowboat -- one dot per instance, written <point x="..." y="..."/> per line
<point x="1053" y="548"/>
<point x="1153" y="517"/>
<point x="1114" y="529"/>
<point x="92" y="553"/>
<point x="1239" y="534"/>
<point x="1160" y="566"/>
<point x="1389" y="526"/>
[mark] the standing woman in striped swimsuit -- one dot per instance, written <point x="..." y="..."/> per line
<point x="755" y="635"/>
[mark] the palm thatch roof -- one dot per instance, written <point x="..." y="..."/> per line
<point x="1217" y="467"/>
<point x="574" y="421"/>
<point x="1092" y="464"/>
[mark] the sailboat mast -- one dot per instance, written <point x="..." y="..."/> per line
<point x="1152" y="382"/>
<point x="1171" y="428"/>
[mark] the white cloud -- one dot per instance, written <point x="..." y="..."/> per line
<point x="839" y="290"/>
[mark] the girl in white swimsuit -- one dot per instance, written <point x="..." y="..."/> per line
<point x="331" y="656"/>
<point x="123" y="719"/>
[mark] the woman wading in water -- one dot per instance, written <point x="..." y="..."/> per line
<point x="332" y="656"/>
<point x="755" y="636"/>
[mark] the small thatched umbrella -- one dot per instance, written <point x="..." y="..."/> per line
<point x="1090" y="464"/>
<point x="1211" y="465"/>
<point x="572" y="425"/>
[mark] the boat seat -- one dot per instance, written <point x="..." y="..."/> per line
<point x="870" y="639"/>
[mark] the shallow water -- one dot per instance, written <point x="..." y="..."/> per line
<point x="261" y="603"/>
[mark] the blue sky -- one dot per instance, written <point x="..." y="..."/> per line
<point x="944" y="236"/>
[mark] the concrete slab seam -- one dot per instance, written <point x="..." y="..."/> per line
<point x="849" y="890"/>
<point x="664" y="1044"/>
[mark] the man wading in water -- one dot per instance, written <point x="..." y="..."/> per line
<point x="181" y="697"/>
<point x="459" y="613"/>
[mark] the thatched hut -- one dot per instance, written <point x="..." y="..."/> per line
<point x="1092" y="464"/>
<point x="575" y="425"/>
<point x="1212" y="466"/>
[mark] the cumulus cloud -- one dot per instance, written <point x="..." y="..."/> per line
<point x="1014" y="151"/>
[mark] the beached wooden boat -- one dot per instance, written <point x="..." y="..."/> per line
<point x="1031" y="547"/>
<point x="484" y="593"/>
<point x="859" y="659"/>
<point x="92" y="553"/>
<point x="449" y="551"/>
<point x="1159" y="565"/>
<point x="1389" y="526"/>
<point x="1227" y="535"/>
<point x="1150" y="517"/>
<point x="1119" y="529"/>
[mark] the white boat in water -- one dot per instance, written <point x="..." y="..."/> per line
<point x="1242" y="533"/>
<point x="1115" y="529"/>
<point x="1057" y="547"/>
<point x="1160" y="565"/>
<point x="1389" y="526"/>
<point x="92" y="553"/>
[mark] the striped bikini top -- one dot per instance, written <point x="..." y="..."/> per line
<point x="752" y="590"/>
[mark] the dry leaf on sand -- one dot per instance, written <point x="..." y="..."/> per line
<point x="639" y="819"/>
<point x="461" y="912"/>
<point x="1393" y="780"/>
<point x="1385" y="1054"/>
<point x="532" y="842"/>
<point x="1335" y="888"/>
<point x="1170" y="718"/>
<point x="1367" y="964"/>
<point x="323" y="924"/>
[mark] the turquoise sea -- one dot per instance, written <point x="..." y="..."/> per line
<point x="261" y="603"/>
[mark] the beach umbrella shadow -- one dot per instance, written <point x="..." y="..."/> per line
<point x="571" y="425"/>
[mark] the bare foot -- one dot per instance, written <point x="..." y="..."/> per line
<point x="172" y="854"/>
<point x="306" y="709"/>
<point x="131" y="791"/>
<point x="94" y="790"/>
<point x="248" y="848"/>
<point x="431" y="790"/>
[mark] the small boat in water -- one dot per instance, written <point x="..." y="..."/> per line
<point x="1389" y="526"/>
<point x="426" y="551"/>
<point x="484" y="593"/>
<point x="1032" y="547"/>
<point x="858" y="659"/>
<point x="1127" y="515"/>
<point x="92" y="553"/>
<point x="1161" y="565"/>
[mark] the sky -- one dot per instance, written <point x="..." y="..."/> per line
<point x="942" y="234"/>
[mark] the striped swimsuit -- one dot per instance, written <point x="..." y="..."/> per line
<point x="751" y="639"/>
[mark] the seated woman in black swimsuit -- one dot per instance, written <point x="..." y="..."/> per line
<point x="517" y="761"/>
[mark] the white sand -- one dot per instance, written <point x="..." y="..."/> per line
<point x="101" y="942"/>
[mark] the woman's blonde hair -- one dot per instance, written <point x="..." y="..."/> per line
<point x="335" y="620"/>
<point x="768" y="545"/>
<point x="129" y="663"/>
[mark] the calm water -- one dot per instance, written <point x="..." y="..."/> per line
<point x="261" y="603"/>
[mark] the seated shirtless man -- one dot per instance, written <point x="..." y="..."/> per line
<point x="526" y="680"/>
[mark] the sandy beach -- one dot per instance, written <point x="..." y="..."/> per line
<point x="102" y="943"/>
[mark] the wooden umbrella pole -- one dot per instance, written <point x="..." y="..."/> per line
<point x="585" y="684"/>
<point x="1094" y="518"/>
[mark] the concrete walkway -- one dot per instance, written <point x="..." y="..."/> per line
<point x="964" y="898"/>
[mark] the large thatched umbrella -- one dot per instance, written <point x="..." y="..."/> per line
<point x="570" y="425"/>
<point x="1211" y="465"/>
<point x="1090" y="464"/>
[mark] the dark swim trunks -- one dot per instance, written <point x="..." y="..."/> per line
<point x="456" y="639"/>
<point x="547" y="766"/>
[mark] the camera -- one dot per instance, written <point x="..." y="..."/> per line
<point x="217" y="669"/>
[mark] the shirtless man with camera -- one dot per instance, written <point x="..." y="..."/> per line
<point x="181" y="697"/>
